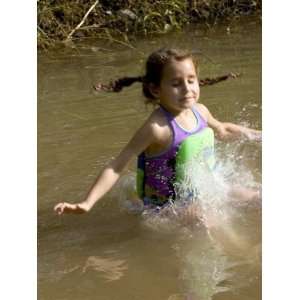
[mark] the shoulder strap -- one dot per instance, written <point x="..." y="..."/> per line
<point x="168" y="115"/>
<point x="200" y="120"/>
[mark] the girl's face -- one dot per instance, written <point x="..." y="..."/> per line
<point x="179" y="88"/>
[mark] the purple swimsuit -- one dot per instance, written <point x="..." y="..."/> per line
<point x="156" y="174"/>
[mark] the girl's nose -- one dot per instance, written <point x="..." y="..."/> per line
<point x="186" y="86"/>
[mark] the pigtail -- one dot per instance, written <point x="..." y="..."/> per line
<point x="210" y="81"/>
<point x="117" y="85"/>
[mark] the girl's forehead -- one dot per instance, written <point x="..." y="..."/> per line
<point x="179" y="67"/>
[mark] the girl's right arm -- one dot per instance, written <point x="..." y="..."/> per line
<point x="109" y="176"/>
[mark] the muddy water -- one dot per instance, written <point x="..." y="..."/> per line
<point x="110" y="253"/>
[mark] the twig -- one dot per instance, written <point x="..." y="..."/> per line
<point x="82" y="21"/>
<point x="42" y="31"/>
<point x="90" y="26"/>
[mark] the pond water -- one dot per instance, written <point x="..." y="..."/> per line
<point x="111" y="253"/>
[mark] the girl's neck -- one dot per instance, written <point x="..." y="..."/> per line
<point x="177" y="113"/>
<point x="186" y="118"/>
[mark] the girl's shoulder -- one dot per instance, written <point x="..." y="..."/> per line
<point x="158" y="124"/>
<point x="203" y="110"/>
<point x="157" y="118"/>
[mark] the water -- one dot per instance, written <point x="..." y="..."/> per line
<point x="111" y="253"/>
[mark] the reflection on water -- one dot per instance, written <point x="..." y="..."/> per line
<point x="115" y="252"/>
<point x="110" y="268"/>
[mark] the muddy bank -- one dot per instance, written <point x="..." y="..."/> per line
<point x="65" y="21"/>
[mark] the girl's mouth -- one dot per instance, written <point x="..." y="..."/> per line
<point x="187" y="99"/>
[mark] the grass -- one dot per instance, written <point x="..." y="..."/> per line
<point x="122" y="19"/>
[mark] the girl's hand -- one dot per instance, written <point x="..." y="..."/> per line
<point x="68" y="208"/>
<point x="254" y="135"/>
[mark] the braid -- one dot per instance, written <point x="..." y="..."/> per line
<point x="117" y="85"/>
<point x="210" y="81"/>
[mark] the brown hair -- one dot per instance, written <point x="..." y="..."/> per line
<point x="154" y="68"/>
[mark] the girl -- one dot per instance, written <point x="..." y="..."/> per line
<point x="179" y="130"/>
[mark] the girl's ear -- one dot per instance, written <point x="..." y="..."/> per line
<point x="154" y="90"/>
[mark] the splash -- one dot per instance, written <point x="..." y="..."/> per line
<point x="202" y="196"/>
<point x="207" y="220"/>
<point x="209" y="264"/>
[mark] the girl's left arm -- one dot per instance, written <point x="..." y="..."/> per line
<point x="228" y="131"/>
<point x="232" y="131"/>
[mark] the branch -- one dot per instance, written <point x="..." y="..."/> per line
<point x="82" y="21"/>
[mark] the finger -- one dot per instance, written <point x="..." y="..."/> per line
<point x="60" y="208"/>
<point x="67" y="208"/>
<point x="57" y="206"/>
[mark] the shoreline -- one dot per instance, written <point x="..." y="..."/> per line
<point x="61" y="22"/>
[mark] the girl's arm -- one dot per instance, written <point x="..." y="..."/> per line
<point x="109" y="176"/>
<point x="228" y="131"/>
<point x="232" y="131"/>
